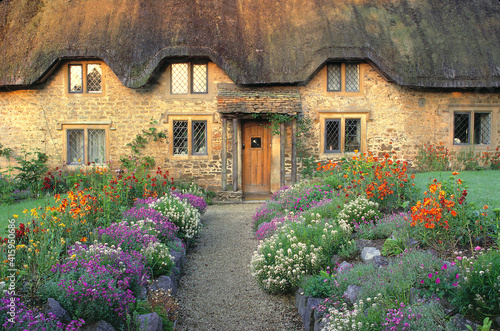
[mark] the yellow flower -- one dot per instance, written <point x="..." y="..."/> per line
<point x="73" y="256"/>
<point x="25" y="266"/>
<point x="25" y="211"/>
<point x="20" y="246"/>
<point x="62" y="224"/>
<point x="15" y="216"/>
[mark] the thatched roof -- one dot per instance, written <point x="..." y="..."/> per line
<point x="417" y="43"/>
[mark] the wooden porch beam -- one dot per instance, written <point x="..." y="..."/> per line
<point x="224" y="155"/>
<point x="235" y="154"/>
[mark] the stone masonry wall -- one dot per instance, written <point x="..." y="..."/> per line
<point x="398" y="118"/>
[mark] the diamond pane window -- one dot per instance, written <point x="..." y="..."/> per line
<point x="94" y="78"/>
<point x="180" y="135"/>
<point x="352" y="135"/>
<point x="332" y="136"/>
<point x="352" y="77"/>
<point x="482" y="128"/>
<point x="199" y="84"/>
<point x="334" y="77"/>
<point x="461" y="128"/>
<point x="75" y="79"/>
<point x="75" y="147"/>
<point x="180" y="78"/>
<point x="199" y="137"/>
<point x="97" y="145"/>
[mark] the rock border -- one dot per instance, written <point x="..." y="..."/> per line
<point x="314" y="321"/>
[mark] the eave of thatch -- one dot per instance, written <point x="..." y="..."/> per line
<point x="424" y="43"/>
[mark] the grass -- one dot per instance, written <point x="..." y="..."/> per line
<point x="7" y="211"/>
<point x="482" y="186"/>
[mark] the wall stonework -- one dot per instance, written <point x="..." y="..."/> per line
<point x="397" y="118"/>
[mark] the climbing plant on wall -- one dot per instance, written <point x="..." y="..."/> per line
<point x="137" y="145"/>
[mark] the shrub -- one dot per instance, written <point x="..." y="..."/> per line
<point x="126" y="267"/>
<point x="479" y="286"/>
<point x="90" y="291"/>
<point x="358" y="210"/>
<point x="294" y="250"/>
<point x="181" y="213"/>
<point x="158" y="259"/>
<point x="127" y="237"/>
<point x="31" y="319"/>
<point x="153" y="222"/>
<point x="433" y="158"/>
<point x="195" y="201"/>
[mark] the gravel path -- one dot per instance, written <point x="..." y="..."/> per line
<point x="217" y="291"/>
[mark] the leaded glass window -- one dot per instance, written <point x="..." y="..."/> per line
<point x="352" y="135"/>
<point x="352" y="77"/>
<point x="482" y="128"/>
<point x="180" y="137"/>
<point x="75" y="78"/>
<point x="76" y="147"/>
<point x="180" y="78"/>
<point x="200" y="78"/>
<point x="189" y="78"/>
<point x="97" y="145"/>
<point x="199" y="134"/>
<point x="332" y="136"/>
<point x="94" y="78"/>
<point x="334" y="77"/>
<point x="461" y="128"/>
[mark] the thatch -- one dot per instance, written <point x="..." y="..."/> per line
<point x="417" y="43"/>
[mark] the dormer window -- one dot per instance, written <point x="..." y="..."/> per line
<point x="343" y="77"/>
<point x="189" y="78"/>
<point x="85" y="78"/>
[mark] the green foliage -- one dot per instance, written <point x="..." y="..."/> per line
<point x="479" y="288"/>
<point x="293" y="251"/>
<point x="393" y="247"/>
<point x="359" y="210"/>
<point x="433" y="158"/>
<point x="485" y="327"/>
<point x="136" y="161"/>
<point x="31" y="170"/>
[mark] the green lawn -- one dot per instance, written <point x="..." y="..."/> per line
<point x="483" y="186"/>
<point x="7" y="211"/>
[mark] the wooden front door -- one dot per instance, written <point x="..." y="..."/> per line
<point x="256" y="159"/>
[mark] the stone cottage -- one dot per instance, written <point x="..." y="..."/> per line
<point x="79" y="79"/>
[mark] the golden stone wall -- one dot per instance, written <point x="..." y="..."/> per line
<point x="396" y="117"/>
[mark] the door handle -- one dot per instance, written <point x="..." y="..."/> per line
<point x="242" y="146"/>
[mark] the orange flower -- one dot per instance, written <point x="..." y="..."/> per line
<point x="453" y="213"/>
<point x="84" y="239"/>
<point x="485" y="207"/>
<point x="454" y="173"/>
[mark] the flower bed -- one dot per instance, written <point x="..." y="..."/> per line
<point x="96" y="251"/>
<point x="430" y="264"/>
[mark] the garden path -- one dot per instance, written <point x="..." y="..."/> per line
<point x="217" y="291"/>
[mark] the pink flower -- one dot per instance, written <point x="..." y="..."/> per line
<point x="422" y="281"/>
<point x="444" y="267"/>
<point x="455" y="284"/>
<point x="457" y="276"/>
<point x="453" y="263"/>
<point x="478" y="248"/>
<point x="459" y="258"/>
<point x="438" y="280"/>
<point x="430" y="275"/>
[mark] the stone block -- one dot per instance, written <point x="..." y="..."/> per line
<point x="150" y="322"/>
<point x="52" y="306"/>
<point x="368" y="253"/>
<point x="352" y="292"/>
